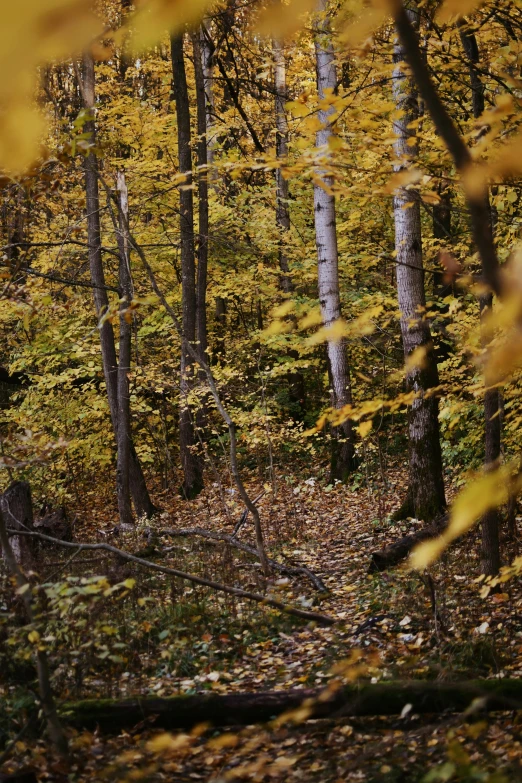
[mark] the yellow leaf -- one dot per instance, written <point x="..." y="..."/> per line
<point x="167" y="742"/>
<point x="364" y="428"/>
<point x="277" y="327"/>
<point x="226" y="740"/>
<point x="297" y="109"/>
<point x="33" y="33"/>
<point x="427" y="552"/>
<point x="33" y="637"/>
<point x="313" y="318"/>
<point x="153" y="17"/>
<point x="402" y="178"/>
<point x="430" y="197"/>
<point x="129" y="583"/>
<point x="332" y="333"/>
<point x="283" y="309"/>
<point x="281" y="19"/>
<point x="507" y="162"/>
<point x="416" y="359"/>
<point x="457" y="8"/>
<point x="358" y="30"/>
<point x="335" y="143"/>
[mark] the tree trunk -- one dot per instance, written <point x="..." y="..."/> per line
<point x="203" y="230"/>
<point x="295" y="379"/>
<point x="140" y="495"/>
<point x="16" y="506"/>
<point x="207" y="66"/>
<point x="191" y="463"/>
<point x="426" y="498"/>
<point x="343" y="454"/>
<point x="19" y="502"/>
<point x="221" y="321"/>
<point x="490" y="523"/>
<point x="282" y="192"/>
<point x="242" y="709"/>
<point x="126" y="293"/>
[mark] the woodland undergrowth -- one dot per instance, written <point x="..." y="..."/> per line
<point x="131" y="632"/>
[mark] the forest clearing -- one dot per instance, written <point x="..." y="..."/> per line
<point x="260" y="391"/>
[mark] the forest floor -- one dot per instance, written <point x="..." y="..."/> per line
<point x="186" y="640"/>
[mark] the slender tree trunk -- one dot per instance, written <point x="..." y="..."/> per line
<point x="142" y="502"/>
<point x="207" y="67"/>
<point x="16" y="505"/>
<point x="126" y="294"/>
<point x="296" y="378"/>
<point x="221" y="320"/>
<point x="490" y="522"/>
<point x="54" y="727"/>
<point x="191" y="463"/>
<point x="426" y="498"/>
<point x="478" y="204"/>
<point x="343" y="456"/>
<point x="202" y="151"/>
<point x="282" y="192"/>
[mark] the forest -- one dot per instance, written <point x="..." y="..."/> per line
<point x="260" y="391"/>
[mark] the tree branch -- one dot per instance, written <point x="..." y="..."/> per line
<point x="321" y="619"/>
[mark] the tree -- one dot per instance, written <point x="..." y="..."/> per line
<point x="138" y="488"/>
<point x="124" y="358"/>
<point x="480" y="215"/>
<point x="192" y="467"/>
<point x="343" y="454"/>
<point x="425" y="499"/>
<point x="490" y="522"/>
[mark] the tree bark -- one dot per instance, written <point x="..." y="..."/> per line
<point x="191" y="463"/>
<point x="241" y="709"/>
<point x="203" y="206"/>
<point x="426" y="484"/>
<point x="126" y="294"/>
<point x="296" y="378"/>
<point x="54" y="726"/>
<point x="16" y="506"/>
<point x="478" y="204"/>
<point x="490" y="522"/>
<point x="282" y="191"/>
<point x="140" y="495"/>
<point x="343" y="454"/>
<point x="207" y="67"/>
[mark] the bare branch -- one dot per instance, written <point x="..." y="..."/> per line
<point x="321" y="619"/>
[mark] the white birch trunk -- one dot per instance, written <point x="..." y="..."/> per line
<point x="207" y="64"/>
<point x="326" y="242"/>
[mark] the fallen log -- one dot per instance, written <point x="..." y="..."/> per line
<point x="392" y="555"/>
<point x="242" y="709"/>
